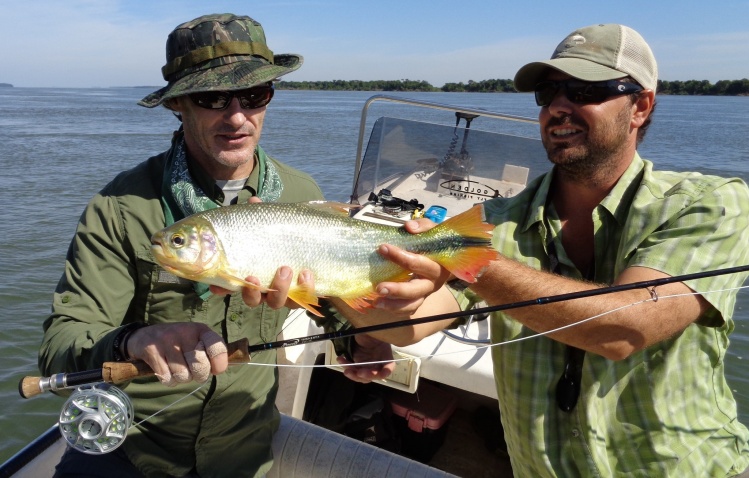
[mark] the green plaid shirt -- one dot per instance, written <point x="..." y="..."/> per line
<point x="666" y="410"/>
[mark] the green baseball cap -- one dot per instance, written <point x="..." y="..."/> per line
<point x="220" y="52"/>
<point x="596" y="53"/>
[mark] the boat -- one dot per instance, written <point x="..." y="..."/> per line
<point x="438" y="410"/>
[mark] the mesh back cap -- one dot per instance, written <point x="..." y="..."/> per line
<point x="596" y="53"/>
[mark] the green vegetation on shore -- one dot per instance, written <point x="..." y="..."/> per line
<point x="690" y="87"/>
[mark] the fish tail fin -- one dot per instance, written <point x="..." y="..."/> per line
<point x="477" y="251"/>
<point x="305" y="297"/>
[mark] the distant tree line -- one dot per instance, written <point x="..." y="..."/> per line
<point x="690" y="87"/>
<point x="357" y="85"/>
<point x="704" y="87"/>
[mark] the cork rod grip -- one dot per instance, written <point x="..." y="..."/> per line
<point x="111" y="372"/>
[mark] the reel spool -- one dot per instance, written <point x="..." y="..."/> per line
<point x="95" y="419"/>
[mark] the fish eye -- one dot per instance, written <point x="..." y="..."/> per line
<point x="178" y="240"/>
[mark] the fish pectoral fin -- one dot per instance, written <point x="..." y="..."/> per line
<point x="243" y="283"/>
<point x="305" y="297"/>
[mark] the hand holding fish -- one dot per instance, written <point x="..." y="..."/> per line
<point x="179" y="352"/>
<point x="427" y="277"/>
<point x="277" y="295"/>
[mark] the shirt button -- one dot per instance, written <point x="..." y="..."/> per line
<point x="575" y="432"/>
<point x="233" y="317"/>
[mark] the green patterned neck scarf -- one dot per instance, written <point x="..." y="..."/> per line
<point x="182" y="197"/>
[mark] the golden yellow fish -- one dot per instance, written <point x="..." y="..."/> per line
<point x="225" y="245"/>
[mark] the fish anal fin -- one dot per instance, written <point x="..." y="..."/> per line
<point x="468" y="264"/>
<point x="362" y="303"/>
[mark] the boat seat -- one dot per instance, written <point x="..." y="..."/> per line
<point x="302" y="449"/>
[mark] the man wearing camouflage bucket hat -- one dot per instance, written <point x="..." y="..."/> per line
<point x="115" y="303"/>
<point x="218" y="53"/>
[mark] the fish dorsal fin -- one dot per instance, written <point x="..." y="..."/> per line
<point x="333" y="206"/>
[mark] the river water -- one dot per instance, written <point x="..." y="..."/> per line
<point x="58" y="147"/>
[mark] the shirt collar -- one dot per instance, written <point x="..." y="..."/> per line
<point x="616" y="202"/>
<point x="619" y="200"/>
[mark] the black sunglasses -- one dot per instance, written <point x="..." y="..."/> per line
<point x="568" y="386"/>
<point x="249" y="99"/>
<point x="583" y="92"/>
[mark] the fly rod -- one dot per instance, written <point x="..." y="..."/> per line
<point x="239" y="351"/>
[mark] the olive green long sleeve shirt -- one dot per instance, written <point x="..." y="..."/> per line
<point x="111" y="279"/>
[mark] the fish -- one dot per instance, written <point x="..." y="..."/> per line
<point x="225" y="245"/>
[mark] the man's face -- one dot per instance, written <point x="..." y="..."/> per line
<point x="222" y="141"/>
<point x="583" y="139"/>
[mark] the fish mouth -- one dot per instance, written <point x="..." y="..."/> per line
<point x="163" y="258"/>
<point x="160" y="252"/>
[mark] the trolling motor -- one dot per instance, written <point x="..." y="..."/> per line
<point x="460" y="163"/>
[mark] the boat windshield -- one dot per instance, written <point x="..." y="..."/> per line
<point x="439" y="165"/>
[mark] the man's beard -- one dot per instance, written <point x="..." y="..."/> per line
<point x="597" y="155"/>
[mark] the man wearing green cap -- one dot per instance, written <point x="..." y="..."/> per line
<point x="114" y="302"/>
<point x="639" y="390"/>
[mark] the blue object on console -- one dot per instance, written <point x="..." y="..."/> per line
<point x="436" y="214"/>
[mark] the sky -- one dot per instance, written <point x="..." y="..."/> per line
<point x="104" y="43"/>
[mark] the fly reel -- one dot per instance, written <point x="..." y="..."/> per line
<point x="95" y="419"/>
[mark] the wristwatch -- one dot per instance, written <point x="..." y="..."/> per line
<point x="119" y="345"/>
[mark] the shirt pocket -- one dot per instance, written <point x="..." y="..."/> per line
<point x="259" y="324"/>
<point x="160" y="295"/>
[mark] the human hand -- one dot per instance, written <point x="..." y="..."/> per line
<point x="428" y="276"/>
<point x="369" y="349"/>
<point x="179" y="352"/>
<point x="278" y="293"/>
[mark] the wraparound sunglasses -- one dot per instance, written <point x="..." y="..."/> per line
<point x="249" y="99"/>
<point x="583" y="92"/>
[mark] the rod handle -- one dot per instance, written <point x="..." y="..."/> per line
<point x="112" y="372"/>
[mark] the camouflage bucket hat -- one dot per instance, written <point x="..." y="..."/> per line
<point x="218" y="53"/>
